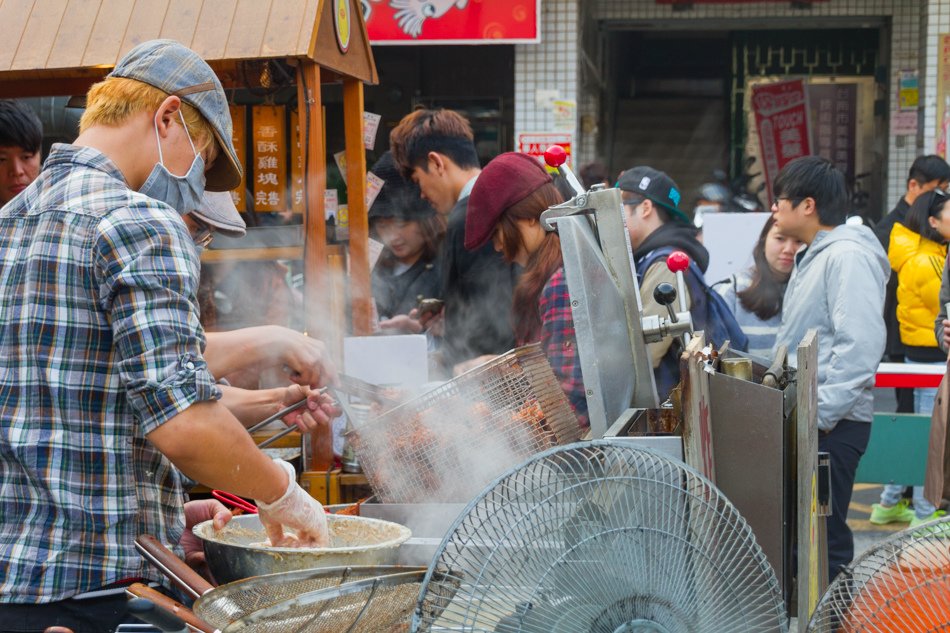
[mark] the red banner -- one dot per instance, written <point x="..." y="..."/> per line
<point x="452" y="21"/>
<point x="781" y="119"/>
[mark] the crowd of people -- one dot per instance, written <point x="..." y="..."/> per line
<point x="108" y="380"/>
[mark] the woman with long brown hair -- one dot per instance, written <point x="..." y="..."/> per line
<point x="505" y="208"/>
<point x="755" y="295"/>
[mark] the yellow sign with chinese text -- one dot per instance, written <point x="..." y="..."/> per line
<point x="269" y="158"/>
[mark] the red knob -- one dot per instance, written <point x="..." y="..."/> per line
<point x="678" y="261"/>
<point x="555" y="156"/>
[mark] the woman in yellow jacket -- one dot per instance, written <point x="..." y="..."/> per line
<point x="917" y="252"/>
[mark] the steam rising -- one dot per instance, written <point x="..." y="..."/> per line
<point x="449" y="443"/>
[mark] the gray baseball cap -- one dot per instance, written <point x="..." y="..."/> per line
<point x="177" y="70"/>
<point x="218" y="211"/>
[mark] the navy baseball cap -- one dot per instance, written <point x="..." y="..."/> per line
<point x="655" y="185"/>
<point x="177" y="70"/>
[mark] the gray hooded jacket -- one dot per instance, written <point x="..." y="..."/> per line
<point x="837" y="287"/>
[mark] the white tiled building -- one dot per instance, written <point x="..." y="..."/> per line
<point x="572" y="54"/>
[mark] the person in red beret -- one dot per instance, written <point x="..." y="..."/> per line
<point x="505" y="209"/>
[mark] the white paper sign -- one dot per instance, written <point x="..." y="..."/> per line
<point x="730" y="238"/>
<point x="330" y="204"/>
<point x="370" y="127"/>
<point x="374" y="184"/>
<point x="340" y="159"/>
<point x="374" y="249"/>
<point x="398" y="361"/>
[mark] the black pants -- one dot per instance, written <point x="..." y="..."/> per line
<point x="845" y="444"/>
<point x="95" y="615"/>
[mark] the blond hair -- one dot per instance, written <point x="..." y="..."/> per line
<point x="113" y="100"/>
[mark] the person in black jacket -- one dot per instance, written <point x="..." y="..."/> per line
<point x="926" y="174"/>
<point x="408" y="268"/>
<point x="435" y="149"/>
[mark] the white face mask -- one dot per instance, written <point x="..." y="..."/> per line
<point x="182" y="193"/>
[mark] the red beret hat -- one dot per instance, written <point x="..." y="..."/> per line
<point x="508" y="179"/>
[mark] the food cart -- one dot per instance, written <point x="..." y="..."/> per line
<point x="268" y="50"/>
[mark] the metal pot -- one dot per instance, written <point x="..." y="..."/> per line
<point x="240" y="550"/>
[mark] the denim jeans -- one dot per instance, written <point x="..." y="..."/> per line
<point x="923" y="403"/>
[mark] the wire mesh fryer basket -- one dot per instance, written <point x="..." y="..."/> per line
<point x="447" y="444"/>
<point x="371" y="605"/>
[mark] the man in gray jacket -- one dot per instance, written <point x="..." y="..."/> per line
<point x="837" y="288"/>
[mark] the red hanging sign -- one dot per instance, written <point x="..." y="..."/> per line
<point x="452" y="21"/>
<point x="781" y="119"/>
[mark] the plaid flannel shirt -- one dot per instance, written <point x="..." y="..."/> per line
<point x="100" y="344"/>
<point x="559" y="343"/>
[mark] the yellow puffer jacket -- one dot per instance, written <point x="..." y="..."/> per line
<point x="919" y="265"/>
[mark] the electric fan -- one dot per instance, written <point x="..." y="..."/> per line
<point x="901" y="584"/>
<point x="600" y="537"/>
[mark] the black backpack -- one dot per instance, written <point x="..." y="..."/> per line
<point x="709" y="310"/>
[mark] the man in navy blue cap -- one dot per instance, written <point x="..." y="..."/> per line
<point x="657" y="226"/>
<point x="104" y="391"/>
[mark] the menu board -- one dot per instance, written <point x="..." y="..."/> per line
<point x="239" y="121"/>
<point x="296" y="166"/>
<point x="269" y="158"/>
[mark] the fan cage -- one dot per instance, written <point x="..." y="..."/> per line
<point x="596" y="535"/>
<point x="900" y="584"/>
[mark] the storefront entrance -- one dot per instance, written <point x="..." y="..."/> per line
<point x="679" y="100"/>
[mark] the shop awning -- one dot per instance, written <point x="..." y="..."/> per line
<point x="82" y="39"/>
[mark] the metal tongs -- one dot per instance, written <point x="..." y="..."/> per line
<point x="365" y="391"/>
<point x="277" y="416"/>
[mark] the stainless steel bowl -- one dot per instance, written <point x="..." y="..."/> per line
<point x="240" y="550"/>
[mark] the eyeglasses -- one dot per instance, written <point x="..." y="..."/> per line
<point x="204" y="234"/>
<point x="794" y="201"/>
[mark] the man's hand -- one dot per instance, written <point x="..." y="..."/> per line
<point x="195" y="513"/>
<point x="296" y="510"/>
<point x="305" y="359"/>
<point x="472" y="363"/>
<point x="318" y="413"/>
<point x="402" y="324"/>
<point x="432" y="322"/>
<point x="946" y="333"/>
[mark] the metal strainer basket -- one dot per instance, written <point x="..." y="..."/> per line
<point x="345" y="599"/>
<point x="448" y="443"/>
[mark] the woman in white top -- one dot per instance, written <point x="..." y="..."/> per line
<point x="755" y="295"/>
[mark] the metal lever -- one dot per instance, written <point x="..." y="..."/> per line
<point x="665" y="294"/>
<point x="656" y="328"/>
<point x="556" y="157"/>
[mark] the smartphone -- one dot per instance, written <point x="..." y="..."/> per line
<point x="430" y="306"/>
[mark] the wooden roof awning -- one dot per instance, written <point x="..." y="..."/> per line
<point x="73" y="41"/>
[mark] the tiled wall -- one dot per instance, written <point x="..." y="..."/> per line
<point x="550" y="66"/>
<point x="934" y="21"/>
<point x="915" y="28"/>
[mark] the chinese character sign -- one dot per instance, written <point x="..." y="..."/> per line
<point x="781" y="118"/>
<point x="239" y="119"/>
<point x="834" y="123"/>
<point x="269" y="158"/>
<point x="536" y="144"/>
<point x="296" y="166"/>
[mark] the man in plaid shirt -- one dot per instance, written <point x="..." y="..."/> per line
<point x="103" y="387"/>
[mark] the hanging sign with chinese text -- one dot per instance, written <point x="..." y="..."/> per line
<point x="269" y="160"/>
<point x="296" y="166"/>
<point x="239" y="121"/>
<point x="781" y="119"/>
<point x="834" y="119"/>
<point x="452" y="21"/>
